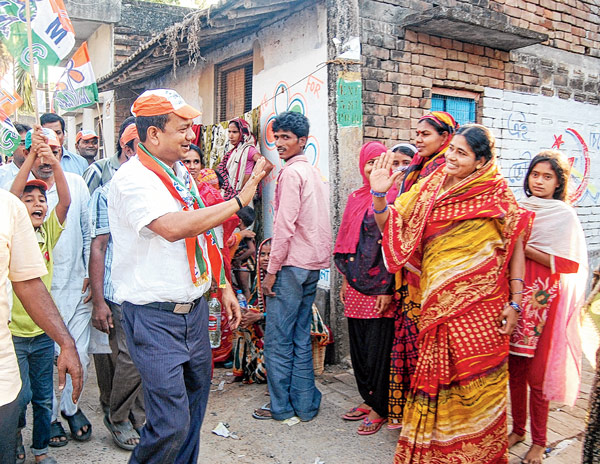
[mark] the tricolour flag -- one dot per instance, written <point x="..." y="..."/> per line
<point x="52" y="32"/>
<point x="9" y="137"/>
<point x="9" y="102"/>
<point x="77" y="86"/>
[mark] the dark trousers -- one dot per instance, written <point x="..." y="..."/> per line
<point x="370" y="347"/>
<point x="172" y="353"/>
<point x="9" y="416"/>
<point x="123" y="399"/>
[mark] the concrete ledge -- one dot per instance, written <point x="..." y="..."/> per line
<point x="101" y="11"/>
<point x="471" y="24"/>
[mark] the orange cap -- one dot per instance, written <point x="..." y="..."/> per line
<point x="85" y="135"/>
<point x="128" y="135"/>
<point x="162" y="101"/>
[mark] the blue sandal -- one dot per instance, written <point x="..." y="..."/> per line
<point x="76" y="423"/>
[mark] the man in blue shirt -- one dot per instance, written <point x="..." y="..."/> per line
<point x="69" y="161"/>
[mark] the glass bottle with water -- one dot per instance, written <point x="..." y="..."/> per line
<point x="214" y="321"/>
<point x="242" y="301"/>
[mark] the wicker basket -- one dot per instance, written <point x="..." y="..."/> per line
<point x="318" y="352"/>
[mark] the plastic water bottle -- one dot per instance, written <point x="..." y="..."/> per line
<point x="214" y="321"/>
<point x="242" y="301"/>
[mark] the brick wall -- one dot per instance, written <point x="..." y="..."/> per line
<point x="400" y="66"/>
<point x="572" y="25"/>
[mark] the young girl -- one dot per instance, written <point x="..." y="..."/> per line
<point x="545" y="348"/>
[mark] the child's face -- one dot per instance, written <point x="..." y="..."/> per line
<point x="543" y="180"/>
<point x="36" y="204"/>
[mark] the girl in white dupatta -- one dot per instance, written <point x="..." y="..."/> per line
<point x="545" y="347"/>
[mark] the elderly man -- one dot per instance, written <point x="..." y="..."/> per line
<point x="70" y="162"/>
<point x="22" y="263"/>
<point x="86" y="144"/>
<point x="165" y="256"/>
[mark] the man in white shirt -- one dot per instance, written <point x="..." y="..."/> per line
<point x="164" y="259"/>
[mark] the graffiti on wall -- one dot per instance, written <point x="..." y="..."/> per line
<point x="291" y="98"/>
<point x="569" y="141"/>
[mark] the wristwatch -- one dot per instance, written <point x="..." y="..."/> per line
<point x="516" y="307"/>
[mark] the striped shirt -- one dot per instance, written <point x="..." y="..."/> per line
<point x="99" y="226"/>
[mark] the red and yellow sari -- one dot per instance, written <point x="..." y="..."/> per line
<point x="461" y="241"/>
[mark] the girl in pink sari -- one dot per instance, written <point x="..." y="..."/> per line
<point x="545" y="348"/>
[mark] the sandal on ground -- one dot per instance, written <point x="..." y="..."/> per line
<point x="47" y="460"/>
<point x="365" y="412"/>
<point x="20" y="449"/>
<point x="76" y="423"/>
<point x="394" y="426"/>
<point x="263" y="413"/>
<point x="122" y="433"/>
<point x="57" y="431"/>
<point x="378" y="423"/>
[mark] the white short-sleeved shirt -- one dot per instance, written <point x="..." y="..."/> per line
<point x="146" y="267"/>
<point x="20" y="259"/>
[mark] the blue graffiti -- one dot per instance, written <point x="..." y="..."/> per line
<point x="517" y="125"/>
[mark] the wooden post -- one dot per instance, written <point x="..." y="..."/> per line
<point x="31" y="61"/>
<point x="101" y="134"/>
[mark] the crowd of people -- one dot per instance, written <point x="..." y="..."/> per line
<point x="454" y="292"/>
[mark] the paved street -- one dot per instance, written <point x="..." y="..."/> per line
<point x="327" y="438"/>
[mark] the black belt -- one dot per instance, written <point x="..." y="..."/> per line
<point x="177" y="308"/>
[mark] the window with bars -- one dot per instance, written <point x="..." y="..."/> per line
<point x="463" y="109"/>
<point x="234" y="87"/>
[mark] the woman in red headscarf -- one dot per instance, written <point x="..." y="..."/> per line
<point x="366" y="292"/>
<point x="236" y="166"/>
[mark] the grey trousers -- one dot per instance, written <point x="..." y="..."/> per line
<point x="119" y="381"/>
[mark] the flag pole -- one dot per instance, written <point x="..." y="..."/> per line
<point x="31" y="61"/>
<point x="101" y="127"/>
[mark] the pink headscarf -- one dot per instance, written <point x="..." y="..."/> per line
<point x="359" y="202"/>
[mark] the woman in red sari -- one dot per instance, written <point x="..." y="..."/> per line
<point x="462" y="230"/>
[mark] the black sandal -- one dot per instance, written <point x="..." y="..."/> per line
<point x="76" y="423"/>
<point x="58" y="431"/>
<point x="20" y="449"/>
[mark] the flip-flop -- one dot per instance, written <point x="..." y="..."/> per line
<point x="368" y="423"/>
<point x="76" y="422"/>
<point x="263" y="413"/>
<point x="348" y="417"/>
<point x="57" y="431"/>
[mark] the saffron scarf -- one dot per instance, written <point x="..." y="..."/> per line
<point x="182" y="187"/>
<point x="421" y="166"/>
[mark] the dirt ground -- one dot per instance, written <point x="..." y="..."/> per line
<point x="325" y="440"/>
